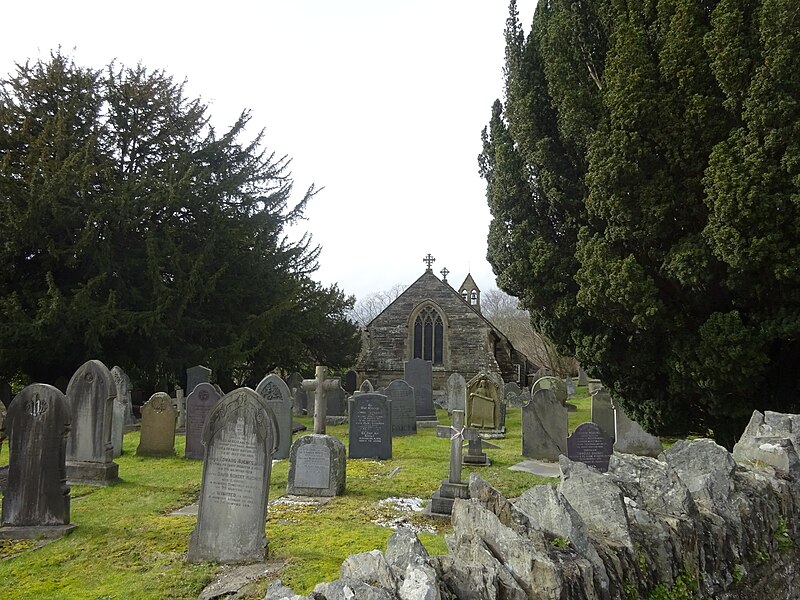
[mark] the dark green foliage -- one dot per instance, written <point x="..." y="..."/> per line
<point x="134" y="233"/>
<point x="643" y="176"/>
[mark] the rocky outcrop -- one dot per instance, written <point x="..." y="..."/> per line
<point x="692" y="521"/>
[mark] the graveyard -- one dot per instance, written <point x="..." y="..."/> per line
<point x="128" y="544"/>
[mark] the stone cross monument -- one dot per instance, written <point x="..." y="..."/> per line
<point x="320" y="386"/>
<point x="442" y="502"/>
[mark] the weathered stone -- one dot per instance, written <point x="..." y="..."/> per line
<point x="317" y="466"/>
<point x="196" y="375"/>
<point x="299" y="402"/>
<point x="630" y="438"/>
<point x="198" y="404"/>
<point x="158" y="426"/>
<point x="122" y="408"/>
<point x="485" y="408"/>
<point x="276" y="393"/>
<point x="370" y="567"/>
<point x="583" y="378"/>
<point x="544" y="427"/>
<point x="603" y="509"/>
<point x="419" y="583"/>
<point x="336" y="399"/>
<point x="770" y="439"/>
<point x="555" y="384"/>
<point x="706" y="469"/>
<point x="278" y="591"/>
<point x="349" y="589"/>
<point x="404" y="550"/>
<point x="36" y="501"/>
<point x="456" y="392"/>
<point x="404" y="409"/>
<point x="239" y="440"/>
<point x="90" y="395"/>
<point x="366" y="387"/>
<point x="590" y="445"/>
<point x="370" y="434"/>
<point x="603" y="412"/>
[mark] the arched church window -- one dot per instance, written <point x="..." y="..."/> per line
<point x="429" y="336"/>
<point x="473" y="297"/>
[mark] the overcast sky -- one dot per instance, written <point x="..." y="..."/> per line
<point x="379" y="102"/>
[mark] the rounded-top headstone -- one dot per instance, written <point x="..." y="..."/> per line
<point x="90" y="394"/>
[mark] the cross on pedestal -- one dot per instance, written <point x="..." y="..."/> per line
<point x="429" y="260"/>
<point x="457" y="434"/>
<point x="319" y="386"/>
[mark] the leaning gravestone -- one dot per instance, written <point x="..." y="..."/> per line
<point x="90" y="395"/>
<point x="418" y="374"/>
<point x="350" y="383"/>
<point x="158" y="426"/>
<point x="370" y="426"/>
<point x="404" y="409"/>
<point x="36" y="499"/>
<point x="239" y="440"/>
<point x="195" y="375"/>
<point x="590" y="445"/>
<point x="544" y="427"/>
<point x="456" y="392"/>
<point x="276" y="393"/>
<point x="485" y="409"/>
<point x="198" y="404"/>
<point x="631" y="438"/>
<point x="603" y="411"/>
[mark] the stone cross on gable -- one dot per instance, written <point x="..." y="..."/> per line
<point x="319" y="385"/>
<point x="429" y="260"/>
<point x="445" y="272"/>
<point x="457" y="434"/>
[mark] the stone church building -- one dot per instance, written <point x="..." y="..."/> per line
<point x="435" y="322"/>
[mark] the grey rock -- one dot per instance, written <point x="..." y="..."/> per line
<point x="706" y="469"/>
<point x="597" y="499"/>
<point x="404" y="550"/>
<point x="278" y="591"/>
<point x="770" y="439"/>
<point x="419" y="583"/>
<point x="350" y="589"/>
<point x="370" y="567"/>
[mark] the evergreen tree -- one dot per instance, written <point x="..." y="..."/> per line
<point x="135" y="233"/>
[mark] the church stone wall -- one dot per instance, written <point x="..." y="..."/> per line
<point x="465" y="342"/>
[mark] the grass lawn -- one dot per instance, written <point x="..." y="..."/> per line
<point x="127" y="546"/>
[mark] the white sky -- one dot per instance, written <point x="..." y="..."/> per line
<point x="381" y="102"/>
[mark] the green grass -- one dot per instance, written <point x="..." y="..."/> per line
<point x="126" y="545"/>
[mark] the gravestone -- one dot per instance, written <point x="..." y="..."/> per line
<point x="544" y="427"/>
<point x="239" y="440"/>
<point x="451" y="488"/>
<point x="631" y="438"/>
<point x="197" y="374"/>
<point x="350" y="384"/>
<point x="294" y="382"/>
<point x="336" y="401"/>
<point x="366" y="387"/>
<point x="551" y="383"/>
<point x="404" y="409"/>
<point x="90" y="396"/>
<point x="275" y="391"/>
<point x="317" y="466"/>
<point x="485" y="409"/>
<point x="590" y="445"/>
<point x="123" y="409"/>
<point x="158" y="426"/>
<point x="511" y="389"/>
<point x="583" y="378"/>
<point x="180" y="407"/>
<point x="571" y="389"/>
<point x="299" y="402"/>
<point x="418" y="374"/>
<point x="198" y="404"/>
<point x="603" y="412"/>
<point x="370" y="426"/>
<point x="318" y="462"/>
<point x="456" y="392"/>
<point x="594" y="385"/>
<point x="36" y="500"/>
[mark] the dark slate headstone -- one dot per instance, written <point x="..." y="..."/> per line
<point x="90" y="395"/>
<point x="589" y="445"/>
<point x="239" y="439"/>
<point x="404" y="409"/>
<point x="544" y="427"/>
<point x="198" y="404"/>
<point x="195" y="375"/>
<point x="370" y="426"/>
<point x="350" y="384"/>
<point x="158" y="426"/>
<point x="275" y="391"/>
<point x="603" y="411"/>
<point x="418" y="374"/>
<point x="336" y="399"/>
<point x="317" y="466"/>
<point x="36" y="498"/>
